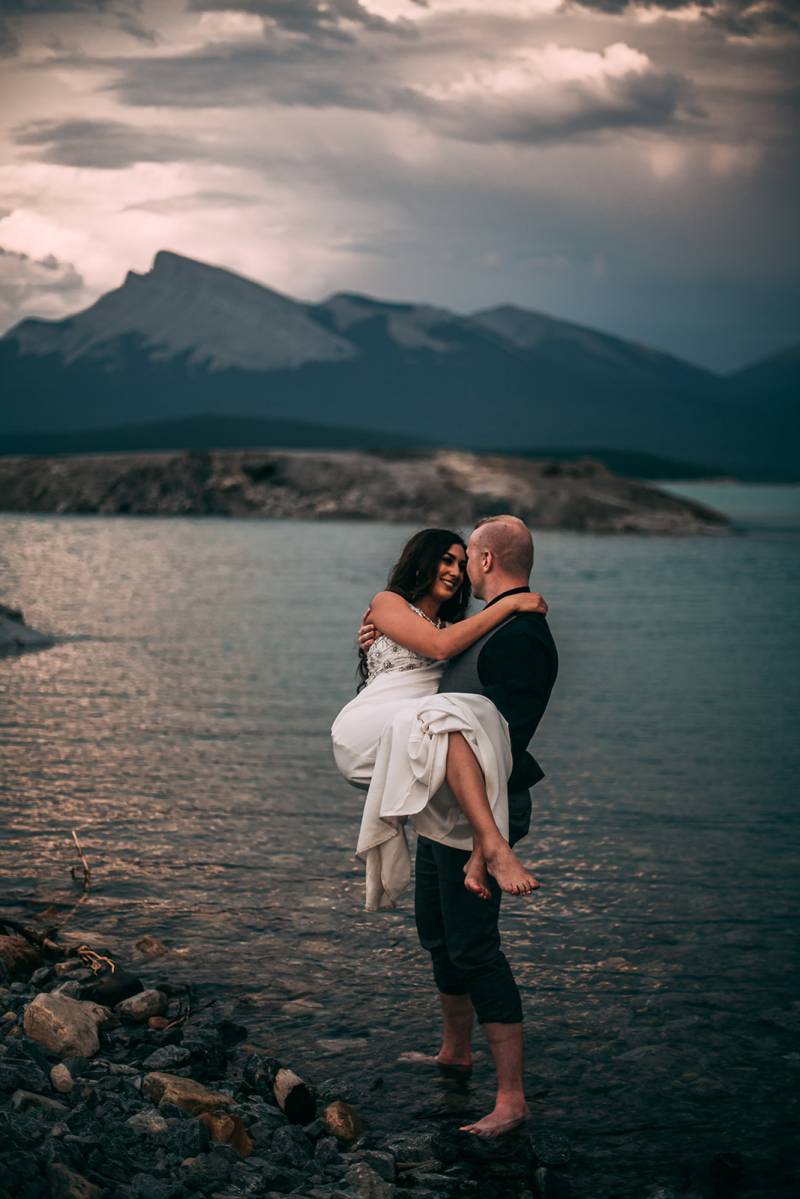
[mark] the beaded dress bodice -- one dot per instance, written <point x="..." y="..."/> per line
<point x="386" y="655"/>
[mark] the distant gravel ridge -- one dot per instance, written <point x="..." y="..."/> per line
<point x="425" y="487"/>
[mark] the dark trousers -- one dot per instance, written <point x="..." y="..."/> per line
<point x="460" y="932"/>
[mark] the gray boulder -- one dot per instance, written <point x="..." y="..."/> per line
<point x="63" y="1026"/>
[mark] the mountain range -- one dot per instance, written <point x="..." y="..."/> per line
<point x="187" y="340"/>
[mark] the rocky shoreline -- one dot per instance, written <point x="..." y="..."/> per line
<point x="432" y="487"/>
<point x="110" y="1088"/>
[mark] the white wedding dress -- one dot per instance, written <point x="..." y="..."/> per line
<point x="391" y="740"/>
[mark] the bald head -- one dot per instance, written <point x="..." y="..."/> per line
<point x="500" y="555"/>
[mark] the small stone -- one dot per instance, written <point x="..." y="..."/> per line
<point x="23" y="1100"/>
<point x="185" y="1138"/>
<point x="367" y="1183"/>
<point x="67" y="966"/>
<point x="343" y="1122"/>
<point x="61" y="1079"/>
<point x="263" y="1130"/>
<point x="18" y="956"/>
<point x="66" y="1184"/>
<point x="315" y="1129"/>
<point x="184" y="1093"/>
<point x="158" y="1023"/>
<point x="141" y="1006"/>
<point x="209" y="1056"/>
<point x="327" y="1152"/>
<point x="226" y="1129"/>
<point x="18" y="1071"/>
<point x="291" y="1145"/>
<point x="413" y="1148"/>
<point x="148" y="1122"/>
<point x="41" y="977"/>
<point x="381" y="1163"/>
<point x="206" y="1172"/>
<point x="150" y="947"/>
<point x="147" y="1186"/>
<point x="111" y="987"/>
<point x="63" y="1026"/>
<point x="259" y="1073"/>
<point x="70" y="987"/>
<point x="169" y="1057"/>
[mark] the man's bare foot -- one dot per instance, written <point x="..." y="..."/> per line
<point x="461" y="1065"/>
<point x="504" y="865"/>
<point x="505" y="1118"/>
<point x="476" y="878"/>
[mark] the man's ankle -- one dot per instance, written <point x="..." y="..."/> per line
<point x="455" y="1053"/>
<point x="511" y="1101"/>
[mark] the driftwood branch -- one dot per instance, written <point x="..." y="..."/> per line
<point x="85" y="881"/>
<point x="87" y="874"/>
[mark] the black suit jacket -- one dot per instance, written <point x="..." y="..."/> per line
<point x="517" y="668"/>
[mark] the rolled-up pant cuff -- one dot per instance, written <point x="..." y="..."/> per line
<point x="460" y="932"/>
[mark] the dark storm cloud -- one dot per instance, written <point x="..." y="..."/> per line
<point x="312" y="18"/>
<point x="125" y="15"/>
<point x="103" y="145"/>
<point x="298" y="73"/>
<point x="286" y="70"/>
<point x="742" y="18"/>
<point x="9" y="40"/>
<point x="654" y="99"/>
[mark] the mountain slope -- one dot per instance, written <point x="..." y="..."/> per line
<point x="775" y="376"/>
<point x="217" y="319"/>
<point x="186" y="338"/>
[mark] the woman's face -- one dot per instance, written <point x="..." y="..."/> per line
<point x="450" y="574"/>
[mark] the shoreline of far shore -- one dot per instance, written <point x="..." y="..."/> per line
<point x="434" y="486"/>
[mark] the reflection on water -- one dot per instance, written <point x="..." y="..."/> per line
<point x="182" y="728"/>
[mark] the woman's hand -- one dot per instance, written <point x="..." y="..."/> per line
<point x="529" y="601"/>
<point x="367" y="633"/>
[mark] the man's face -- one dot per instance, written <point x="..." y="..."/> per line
<point x="474" y="573"/>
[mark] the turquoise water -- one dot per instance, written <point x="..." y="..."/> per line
<point x="181" y="727"/>
<point x="750" y="506"/>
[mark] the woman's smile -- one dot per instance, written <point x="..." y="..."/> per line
<point x="450" y="575"/>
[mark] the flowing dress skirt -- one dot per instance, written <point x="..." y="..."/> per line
<point x="391" y="740"/>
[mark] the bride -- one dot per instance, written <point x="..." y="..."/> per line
<point x="443" y="760"/>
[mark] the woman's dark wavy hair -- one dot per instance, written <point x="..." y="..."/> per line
<point x="414" y="574"/>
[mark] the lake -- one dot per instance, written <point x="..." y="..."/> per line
<point x="181" y="727"/>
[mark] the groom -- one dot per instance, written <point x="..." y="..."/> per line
<point x="514" y="666"/>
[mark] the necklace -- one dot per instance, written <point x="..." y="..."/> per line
<point x="437" y="624"/>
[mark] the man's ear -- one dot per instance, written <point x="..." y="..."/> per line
<point x="487" y="560"/>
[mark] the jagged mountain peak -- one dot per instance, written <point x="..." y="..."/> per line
<point x="182" y="307"/>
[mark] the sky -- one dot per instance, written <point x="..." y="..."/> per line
<point x="631" y="167"/>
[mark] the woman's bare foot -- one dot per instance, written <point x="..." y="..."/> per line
<point x="505" y="1118"/>
<point x="504" y="865"/>
<point x="476" y="878"/>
